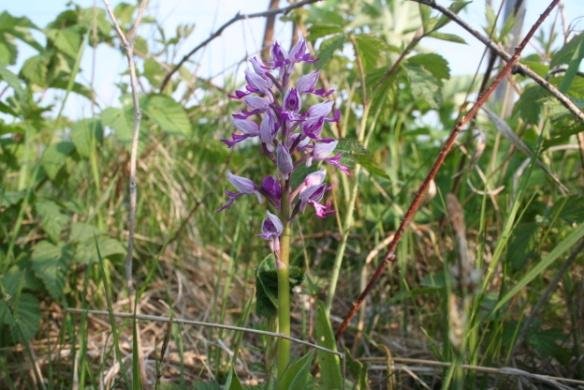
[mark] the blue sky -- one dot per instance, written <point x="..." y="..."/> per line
<point x="245" y="37"/>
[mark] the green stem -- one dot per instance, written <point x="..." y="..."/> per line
<point x="283" y="349"/>
<point x="347" y="225"/>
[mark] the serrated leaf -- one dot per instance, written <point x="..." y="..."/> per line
<point x="295" y="376"/>
<point x="55" y="157"/>
<point x="52" y="220"/>
<point x="331" y="376"/>
<point x="166" y="113"/>
<point x="85" y="132"/>
<point x="370" y="49"/>
<point x="49" y="263"/>
<point x="433" y="63"/>
<point x="82" y="232"/>
<point x="328" y="48"/>
<point x="108" y="248"/>
<point x="425" y="87"/>
<point x="22" y="315"/>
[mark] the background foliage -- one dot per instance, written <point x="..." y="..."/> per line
<point x="63" y="211"/>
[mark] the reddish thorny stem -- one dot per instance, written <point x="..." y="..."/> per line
<point x="416" y="202"/>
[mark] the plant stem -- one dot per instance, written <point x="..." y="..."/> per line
<point x="283" y="350"/>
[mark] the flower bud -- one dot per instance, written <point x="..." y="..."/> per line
<point x="292" y="101"/>
<point x="284" y="161"/>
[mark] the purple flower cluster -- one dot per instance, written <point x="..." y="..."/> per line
<point x="287" y="135"/>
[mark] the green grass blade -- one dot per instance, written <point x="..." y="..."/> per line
<point x="545" y="262"/>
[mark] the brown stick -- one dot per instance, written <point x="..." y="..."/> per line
<point x="237" y="17"/>
<point x="269" y="30"/>
<point x="390" y="255"/>
<point x="519" y="68"/>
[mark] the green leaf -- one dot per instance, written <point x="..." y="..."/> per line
<point x="330" y="365"/>
<point x="353" y="152"/>
<point x="55" y="157"/>
<point x="82" y="232"/>
<point x="108" y="248"/>
<point x="433" y="63"/>
<point x="359" y="371"/>
<point x="529" y="105"/>
<point x="455" y="7"/>
<point x="296" y="375"/>
<point x="67" y="40"/>
<point x="12" y="80"/>
<point x="232" y="382"/>
<point x="447" y="37"/>
<point x="322" y="30"/>
<point x="8" y="52"/>
<point x="34" y="70"/>
<point x="84" y="133"/>
<point x="52" y="221"/>
<point x="573" y="65"/>
<point x="370" y="49"/>
<point x="166" y="113"/>
<point x="153" y="71"/>
<point x="267" y="286"/>
<point x="50" y="263"/>
<point x="22" y="315"/>
<point x="566" y="54"/>
<point x="543" y="264"/>
<point x="120" y="121"/>
<point x="328" y="48"/>
<point x="425" y="87"/>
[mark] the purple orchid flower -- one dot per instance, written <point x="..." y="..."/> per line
<point x="272" y="229"/>
<point x="244" y="186"/>
<point x="290" y="135"/>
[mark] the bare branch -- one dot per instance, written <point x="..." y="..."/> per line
<point x="128" y="43"/>
<point x="519" y="68"/>
<point x="448" y="145"/>
<point x="237" y="17"/>
<point x="129" y="50"/>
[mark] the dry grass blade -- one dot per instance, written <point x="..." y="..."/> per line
<point x="409" y="362"/>
<point x="184" y="321"/>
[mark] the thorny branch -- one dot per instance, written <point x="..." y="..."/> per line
<point x="517" y="68"/>
<point x="237" y="17"/>
<point x="418" y="198"/>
